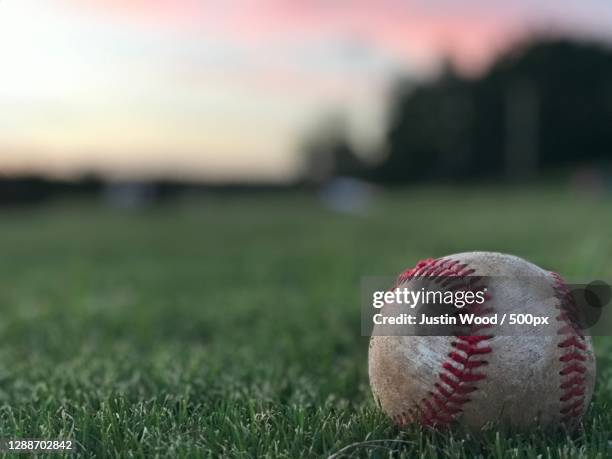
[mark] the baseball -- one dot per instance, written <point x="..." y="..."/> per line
<point x="488" y="376"/>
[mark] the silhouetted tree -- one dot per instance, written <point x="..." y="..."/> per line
<point x="541" y="105"/>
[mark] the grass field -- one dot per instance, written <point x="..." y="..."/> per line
<point x="231" y="326"/>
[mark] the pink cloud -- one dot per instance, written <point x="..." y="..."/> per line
<point x="405" y="30"/>
<point x="157" y="11"/>
<point x="420" y="31"/>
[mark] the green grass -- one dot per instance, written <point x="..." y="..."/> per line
<point x="231" y="326"/>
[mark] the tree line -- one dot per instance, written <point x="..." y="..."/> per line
<point x="544" y="104"/>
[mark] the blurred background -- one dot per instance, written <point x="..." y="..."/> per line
<point x="191" y="192"/>
<point x="134" y="100"/>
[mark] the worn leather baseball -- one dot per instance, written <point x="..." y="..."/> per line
<point x="489" y="375"/>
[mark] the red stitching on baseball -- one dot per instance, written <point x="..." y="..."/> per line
<point x="459" y="375"/>
<point x="574" y="381"/>
<point x="573" y="384"/>
<point x="572" y="368"/>
<point x="573" y="341"/>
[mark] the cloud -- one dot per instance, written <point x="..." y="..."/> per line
<point x="423" y="31"/>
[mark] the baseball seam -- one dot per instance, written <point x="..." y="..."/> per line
<point x="459" y="375"/>
<point x="572" y="341"/>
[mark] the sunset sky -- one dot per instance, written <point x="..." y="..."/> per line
<point x="224" y="90"/>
